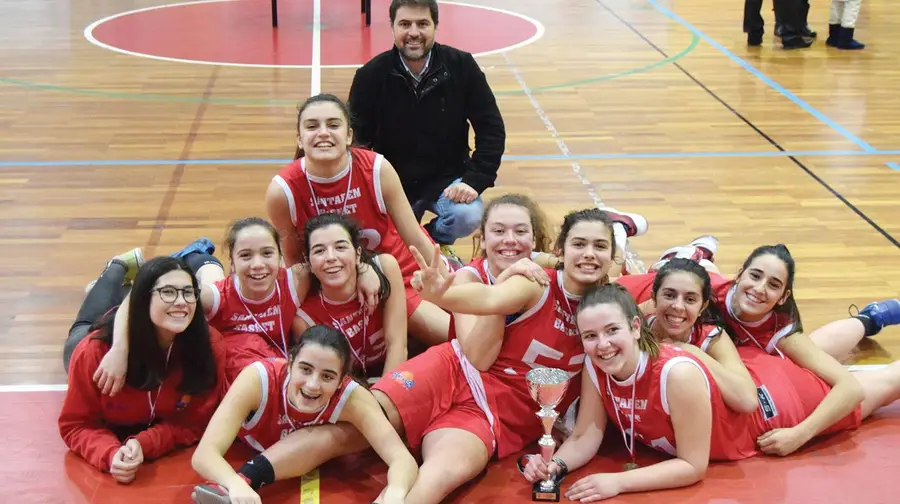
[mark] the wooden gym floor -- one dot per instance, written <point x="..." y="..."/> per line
<point x="650" y="107"/>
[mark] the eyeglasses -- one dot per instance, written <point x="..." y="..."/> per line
<point x="170" y="294"/>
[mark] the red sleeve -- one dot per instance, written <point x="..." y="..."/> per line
<point x="81" y="419"/>
<point x="187" y="428"/>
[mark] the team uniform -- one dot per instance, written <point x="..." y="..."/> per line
<point x="254" y="330"/>
<point x="441" y="388"/>
<point x="355" y="191"/>
<point x="365" y="333"/>
<point x="764" y="334"/>
<point x="787" y="395"/>
<point x="275" y="417"/>
<point x="95" y="425"/>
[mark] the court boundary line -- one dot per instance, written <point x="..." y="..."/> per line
<point x="315" y="73"/>
<point x="862" y="144"/>
<point x="523" y="157"/>
<point x="632" y="258"/>
<point x="834" y="192"/>
<point x="88" y="35"/>
<point x="62" y="387"/>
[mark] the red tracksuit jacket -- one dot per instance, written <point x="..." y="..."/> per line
<point x="95" y="426"/>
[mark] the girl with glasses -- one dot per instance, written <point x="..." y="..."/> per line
<point x="175" y="372"/>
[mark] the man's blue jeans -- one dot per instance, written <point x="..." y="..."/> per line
<point x="454" y="220"/>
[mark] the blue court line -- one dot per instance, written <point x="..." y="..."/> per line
<point x="551" y="157"/>
<point x="766" y="79"/>
<point x="893" y="166"/>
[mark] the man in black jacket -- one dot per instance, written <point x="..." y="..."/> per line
<point x="413" y="104"/>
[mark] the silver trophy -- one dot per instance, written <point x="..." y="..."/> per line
<point x="548" y="387"/>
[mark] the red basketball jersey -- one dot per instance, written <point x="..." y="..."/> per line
<point x="355" y="191"/>
<point x="643" y="394"/>
<point x="764" y="334"/>
<point x="640" y="286"/>
<point x="365" y="333"/>
<point x="543" y="336"/>
<point x="276" y="417"/>
<point x="235" y="316"/>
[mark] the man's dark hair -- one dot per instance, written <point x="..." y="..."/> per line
<point x="431" y="4"/>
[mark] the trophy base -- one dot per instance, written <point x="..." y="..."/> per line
<point x="541" y="493"/>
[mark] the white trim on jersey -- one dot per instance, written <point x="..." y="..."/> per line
<point x="476" y="385"/>
<point x="664" y="377"/>
<point x="345" y="396"/>
<point x="772" y="346"/>
<point x="531" y="311"/>
<point x="716" y="331"/>
<point x="289" y="195"/>
<point x="217" y="301"/>
<point x="376" y="179"/>
<point x="264" y="398"/>
<point x="592" y="373"/>
<point x="292" y="287"/>
<point x="305" y="316"/>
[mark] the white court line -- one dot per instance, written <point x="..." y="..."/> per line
<point x="88" y="34"/>
<point x="315" y="75"/>
<point x="63" y="387"/>
<point x="632" y="259"/>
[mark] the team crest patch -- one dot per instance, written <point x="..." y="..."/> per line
<point x="183" y="402"/>
<point x="405" y="378"/>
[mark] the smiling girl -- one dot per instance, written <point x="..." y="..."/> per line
<point x="448" y="410"/>
<point x="328" y="175"/>
<point x="273" y="398"/>
<point x="667" y="399"/>
<point x="254" y="307"/>
<point x="377" y="339"/>
<point x="175" y="375"/>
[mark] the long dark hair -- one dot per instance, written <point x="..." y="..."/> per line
<point x="319" y="98"/>
<point x="711" y="315"/>
<point x="146" y="360"/>
<point x="352" y="228"/>
<point x="789" y="308"/>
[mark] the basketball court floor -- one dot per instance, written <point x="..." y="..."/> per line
<point x="142" y="123"/>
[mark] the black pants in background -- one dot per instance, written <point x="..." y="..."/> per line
<point x="106" y="294"/>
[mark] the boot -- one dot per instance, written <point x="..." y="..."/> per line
<point x="833" y="31"/>
<point x="845" y="40"/>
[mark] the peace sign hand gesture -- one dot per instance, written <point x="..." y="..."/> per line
<point x="431" y="282"/>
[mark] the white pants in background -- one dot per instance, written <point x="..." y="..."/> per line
<point x="844" y="13"/>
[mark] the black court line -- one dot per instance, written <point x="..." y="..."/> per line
<point x="761" y="133"/>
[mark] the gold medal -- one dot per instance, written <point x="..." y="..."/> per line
<point x="631" y="465"/>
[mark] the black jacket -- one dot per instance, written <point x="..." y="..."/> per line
<point x="422" y="128"/>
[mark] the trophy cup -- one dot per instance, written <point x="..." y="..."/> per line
<point x="547" y="387"/>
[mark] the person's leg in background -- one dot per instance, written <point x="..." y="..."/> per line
<point x="790" y="14"/>
<point x="454" y="220"/>
<point x="753" y="22"/>
<point x="842" y="24"/>
<point x="103" y="294"/>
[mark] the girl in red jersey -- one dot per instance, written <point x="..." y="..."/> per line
<point x="254" y="307"/>
<point x="175" y="375"/>
<point x="273" y="398"/>
<point x="377" y="340"/>
<point x="328" y="175"/>
<point x="666" y="398"/>
<point x="448" y="410"/>
<point x="682" y="315"/>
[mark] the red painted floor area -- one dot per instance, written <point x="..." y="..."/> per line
<point x="240" y="32"/>
<point x="859" y="466"/>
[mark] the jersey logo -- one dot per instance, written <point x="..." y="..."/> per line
<point x="766" y="403"/>
<point x="183" y="402"/>
<point x="404" y="378"/>
<point x="370" y="238"/>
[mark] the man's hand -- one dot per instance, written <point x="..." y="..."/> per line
<point x="460" y="193"/>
